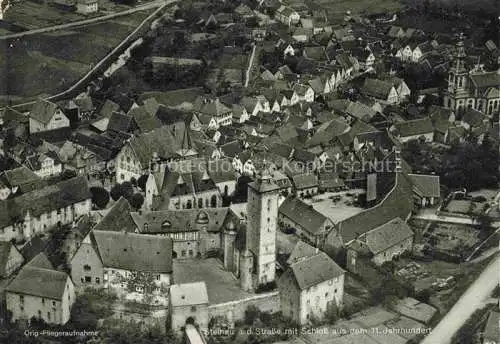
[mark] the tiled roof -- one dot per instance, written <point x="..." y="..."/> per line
<point x="160" y="141"/>
<point x="419" y="126"/>
<point x="134" y="252"/>
<point x="387" y="235"/>
<point x="39" y="282"/>
<point x="43" y="110"/>
<point x="315" y="270"/>
<point x="144" y="120"/>
<point x="305" y="181"/>
<point x="377" y="88"/>
<point x="302" y="214"/>
<point x="300" y="251"/>
<point x="118" y="218"/>
<point x="483" y="80"/>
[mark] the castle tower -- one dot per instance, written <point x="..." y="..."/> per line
<point x="456" y="94"/>
<point x="262" y="210"/>
<point x="229" y="237"/>
<point x="201" y="225"/>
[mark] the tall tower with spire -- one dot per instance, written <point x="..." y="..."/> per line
<point x="456" y="94"/>
<point x="262" y="209"/>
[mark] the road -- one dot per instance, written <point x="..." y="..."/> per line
<point x="473" y="299"/>
<point x="250" y="66"/>
<point x="79" y="23"/>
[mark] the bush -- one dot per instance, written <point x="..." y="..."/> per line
<point x="100" y="197"/>
<point x="251" y="314"/>
<point x="265" y="287"/>
<point x="122" y="190"/>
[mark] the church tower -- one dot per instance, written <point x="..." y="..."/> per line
<point x="456" y="94"/>
<point x="262" y="210"/>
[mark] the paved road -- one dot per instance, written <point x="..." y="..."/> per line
<point x="147" y="6"/>
<point x="469" y="302"/>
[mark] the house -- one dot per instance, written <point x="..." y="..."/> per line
<point x="414" y="309"/>
<point x="46" y="116"/>
<point x="382" y="91"/>
<point x="304" y="92"/>
<point x="38" y="210"/>
<point x="381" y="244"/>
<point x="414" y="130"/>
<point x="40" y="292"/>
<point x="401" y="87"/>
<point x="365" y="58"/>
<point x="44" y="165"/>
<point x="310" y="287"/>
<point x="18" y="180"/>
<point x="188" y="305"/>
<point x="287" y="15"/>
<point x="301" y="34"/>
<point x="10" y="259"/>
<point x="307" y="222"/>
<point x="87" y="6"/>
<point x="123" y="261"/>
<point x="218" y="111"/>
<point x="305" y="184"/>
<point x="426" y="189"/>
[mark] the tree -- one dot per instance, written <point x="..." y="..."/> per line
<point x="141" y="182"/>
<point x="125" y="190"/>
<point x="251" y="313"/>
<point x="100" y="197"/>
<point x="137" y="200"/>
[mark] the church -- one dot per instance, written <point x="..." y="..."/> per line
<point x="471" y="87"/>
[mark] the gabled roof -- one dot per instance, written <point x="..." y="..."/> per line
<point x="160" y="141"/>
<point x="40" y="261"/>
<point x="303" y="214"/>
<point x="300" y="251"/>
<point x="484" y="80"/>
<point x="39" y="282"/>
<point x="5" y="248"/>
<point x="120" y="122"/>
<point x="19" y="176"/>
<point x="145" y="120"/>
<point x="414" y="127"/>
<point x="108" y="108"/>
<point x="32" y="248"/>
<point x="387" y="235"/>
<point x="134" y="252"/>
<point x="305" y="181"/>
<point x="315" y="270"/>
<point x="188" y="294"/>
<point x="43" y="111"/>
<point x="118" y="218"/>
<point x="425" y="185"/>
<point x="377" y="88"/>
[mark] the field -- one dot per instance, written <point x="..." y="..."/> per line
<point x="337" y="9"/>
<point x="49" y="63"/>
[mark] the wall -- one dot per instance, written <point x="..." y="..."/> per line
<point x="396" y="250"/>
<point x="235" y="310"/>
<point x="314" y="301"/>
<point x="127" y="165"/>
<point x="86" y="255"/>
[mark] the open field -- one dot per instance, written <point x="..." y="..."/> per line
<point x="49" y="63"/>
<point x="337" y="9"/>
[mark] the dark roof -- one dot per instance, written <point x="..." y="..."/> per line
<point x="483" y="80"/>
<point x="33" y="247"/>
<point x="43" y="110"/>
<point x="41" y="261"/>
<point x="173" y="221"/>
<point x="144" y="120"/>
<point x="169" y="115"/>
<point x="425" y="185"/>
<point x="387" y="235"/>
<point x="397" y="203"/>
<point x="160" y="140"/>
<point x="118" y="218"/>
<point x="305" y="181"/>
<point x="41" y="201"/>
<point x="39" y="282"/>
<point x="19" y="176"/>
<point x="120" y="122"/>
<point x="134" y="252"/>
<point x="414" y="127"/>
<point x="175" y="97"/>
<point x="377" y="88"/>
<point x="303" y="214"/>
<point x="315" y="270"/>
<point x="301" y="250"/>
<point x="109" y="108"/>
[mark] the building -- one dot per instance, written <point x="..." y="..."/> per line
<point x="188" y="305"/>
<point x="308" y="223"/>
<point x="40" y="292"/>
<point x="46" y="116"/>
<point x="10" y="259"/>
<point x="381" y="90"/>
<point x="87" y="6"/>
<point x="124" y="262"/>
<point x="471" y="88"/>
<point x="416" y="129"/>
<point x="310" y="287"/>
<point x="287" y="15"/>
<point x="38" y="210"/>
<point x="18" y="180"/>
<point x="44" y="165"/>
<point x="262" y="212"/>
<point x="381" y="244"/>
<point x="426" y="189"/>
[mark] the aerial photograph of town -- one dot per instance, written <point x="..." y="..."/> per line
<point x="249" y="172"/>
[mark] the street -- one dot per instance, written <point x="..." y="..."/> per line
<point x="468" y="303"/>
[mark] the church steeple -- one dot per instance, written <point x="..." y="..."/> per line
<point x="458" y="73"/>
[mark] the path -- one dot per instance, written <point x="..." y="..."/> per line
<point x="250" y="66"/>
<point x="154" y="4"/>
<point x="468" y="303"/>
